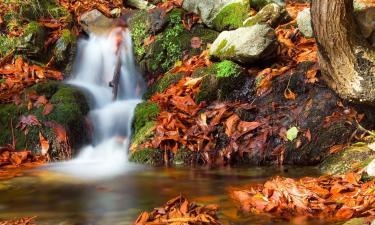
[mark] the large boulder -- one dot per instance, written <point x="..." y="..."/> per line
<point x="245" y="45"/>
<point x="271" y="14"/>
<point x="67" y="116"/>
<point x="219" y="14"/>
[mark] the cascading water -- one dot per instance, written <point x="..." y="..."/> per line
<point x="100" y="58"/>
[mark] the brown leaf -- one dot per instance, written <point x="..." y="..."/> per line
<point x="48" y="108"/>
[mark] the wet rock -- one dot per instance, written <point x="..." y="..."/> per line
<point x="245" y="45"/>
<point x="349" y="159"/>
<point x="220" y="81"/>
<point x="33" y="39"/>
<point x="259" y="4"/>
<point x="271" y="14"/>
<point x="64" y="51"/>
<point x="304" y="23"/>
<point x="147" y="156"/>
<point x="95" y="22"/>
<point x="69" y="110"/>
<point x="219" y="14"/>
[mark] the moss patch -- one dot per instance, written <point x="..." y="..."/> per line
<point x="35" y="9"/>
<point x="69" y="110"/>
<point x="148" y="156"/>
<point x="231" y="16"/>
<point x="144" y="112"/>
<point x="183" y="157"/>
<point x="350" y="159"/>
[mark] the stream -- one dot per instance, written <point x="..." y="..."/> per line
<point x="56" y="198"/>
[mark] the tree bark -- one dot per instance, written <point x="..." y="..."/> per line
<point x="347" y="61"/>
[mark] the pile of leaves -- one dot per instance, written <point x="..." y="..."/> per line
<point x="179" y="211"/>
<point x="9" y="157"/>
<point x="23" y="221"/>
<point x="18" y="74"/>
<point x="78" y="7"/>
<point x="333" y="198"/>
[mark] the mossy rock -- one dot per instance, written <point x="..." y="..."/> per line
<point x="33" y="39"/>
<point x="219" y="81"/>
<point x="259" y="4"/>
<point x="272" y="14"/>
<point x="148" y="156"/>
<point x="170" y="44"/>
<point x="70" y="109"/>
<point x="183" y="157"/>
<point x="350" y="159"/>
<point x="144" y="113"/>
<point x="64" y="51"/>
<point x="231" y="16"/>
<point x="356" y="221"/>
<point x="162" y="84"/>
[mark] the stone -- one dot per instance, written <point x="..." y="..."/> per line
<point x="139" y="4"/>
<point x="304" y="23"/>
<point x="259" y="4"/>
<point x="271" y="14"/>
<point x="64" y="51"/>
<point x="371" y="169"/>
<point x="365" y="18"/>
<point x="246" y="45"/>
<point x="219" y="14"/>
<point x="70" y="111"/>
<point x="350" y="159"/>
<point x="95" y="22"/>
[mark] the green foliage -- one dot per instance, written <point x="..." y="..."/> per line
<point x="227" y="68"/>
<point x="35" y="9"/>
<point x="292" y="133"/>
<point x="144" y="113"/>
<point x="231" y="16"/>
<point x="139" y="30"/>
<point x="148" y="156"/>
<point x="162" y="84"/>
<point x="7" y="44"/>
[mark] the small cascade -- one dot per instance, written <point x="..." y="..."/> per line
<point x="100" y="59"/>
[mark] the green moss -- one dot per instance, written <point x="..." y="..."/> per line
<point x="183" y="157"/>
<point x="162" y="84"/>
<point x="348" y="160"/>
<point x="231" y="16"/>
<point x="64" y="51"/>
<point x="33" y="37"/>
<point x="139" y="30"/>
<point x="69" y="110"/>
<point x="142" y="135"/>
<point x="227" y="68"/>
<point x="7" y="44"/>
<point x="218" y="81"/>
<point x="35" y="9"/>
<point x="148" y="156"/>
<point x="144" y="112"/>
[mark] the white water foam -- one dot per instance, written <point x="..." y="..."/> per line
<point x="98" y="57"/>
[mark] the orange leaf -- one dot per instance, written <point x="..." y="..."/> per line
<point x="290" y="95"/>
<point x="44" y="144"/>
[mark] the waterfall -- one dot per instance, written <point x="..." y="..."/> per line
<point x="100" y="57"/>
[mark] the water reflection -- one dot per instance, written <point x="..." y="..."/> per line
<point x="60" y="199"/>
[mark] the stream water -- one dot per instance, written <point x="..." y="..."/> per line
<point x="100" y="186"/>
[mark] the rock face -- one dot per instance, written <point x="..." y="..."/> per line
<point x="271" y="14"/>
<point x="219" y="14"/>
<point x="304" y="23"/>
<point x="69" y="111"/>
<point x="95" y="22"/>
<point x="245" y="45"/>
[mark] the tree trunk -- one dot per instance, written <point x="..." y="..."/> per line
<point x="347" y="62"/>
